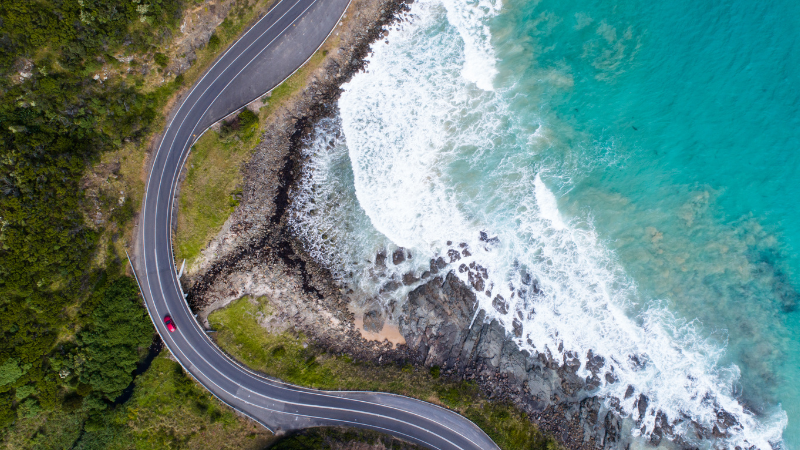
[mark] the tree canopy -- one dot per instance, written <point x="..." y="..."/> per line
<point x="109" y="347"/>
<point x="70" y="330"/>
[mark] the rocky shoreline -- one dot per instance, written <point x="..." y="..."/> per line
<point x="257" y="255"/>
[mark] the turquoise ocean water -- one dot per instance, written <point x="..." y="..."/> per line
<point x="638" y="160"/>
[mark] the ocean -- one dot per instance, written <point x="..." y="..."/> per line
<point x="626" y="172"/>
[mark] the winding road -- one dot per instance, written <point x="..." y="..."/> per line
<point x="279" y="43"/>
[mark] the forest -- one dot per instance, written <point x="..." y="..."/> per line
<point x="71" y="330"/>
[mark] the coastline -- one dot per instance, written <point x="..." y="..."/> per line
<point x="257" y="255"/>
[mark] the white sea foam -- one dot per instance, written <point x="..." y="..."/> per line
<point x="425" y="140"/>
<point x="548" y="207"/>
<point x="470" y="19"/>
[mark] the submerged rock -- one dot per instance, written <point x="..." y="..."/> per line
<point x="489" y="240"/>
<point x="373" y="321"/>
<point x="500" y="304"/>
<point x="380" y="259"/>
<point x="454" y="255"/>
<point x="390" y="286"/>
<point x="409" y="279"/>
<point x="398" y="256"/>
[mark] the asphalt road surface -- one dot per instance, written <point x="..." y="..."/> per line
<point x="279" y="43"/>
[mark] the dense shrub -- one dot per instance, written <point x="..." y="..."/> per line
<point x="247" y="119"/>
<point x="161" y="59"/>
<point x="109" y="347"/>
<point x="56" y="122"/>
<point x="214" y="42"/>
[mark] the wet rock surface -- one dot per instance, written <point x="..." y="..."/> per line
<point x="373" y="321"/>
<point x="442" y="327"/>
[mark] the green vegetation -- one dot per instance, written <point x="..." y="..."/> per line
<point x="289" y="357"/>
<point x="335" y="438"/>
<point x="211" y="190"/>
<point x="108" y="349"/>
<point x="167" y="410"/>
<point x="214" y="42"/>
<point x="75" y="33"/>
<point x="57" y="122"/>
<point x="77" y="116"/>
<point x="161" y="59"/>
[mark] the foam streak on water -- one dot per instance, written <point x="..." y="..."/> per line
<point x="428" y="136"/>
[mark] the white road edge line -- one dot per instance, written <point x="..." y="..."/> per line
<point x="161" y="288"/>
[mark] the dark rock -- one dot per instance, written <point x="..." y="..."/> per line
<point x="454" y="255"/>
<point x="517" y="328"/>
<point x="476" y="281"/>
<point x="489" y="240"/>
<point x="462" y="268"/>
<point x="638" y="362"/>
<point x="390" y="286"/>
<point x="425" y="274"/>
<point x="629" y="392"/>
<point x="380" y="259"/>
<point x="594" y="363"/>
<point x="641" y="405"/>
<point x="610" y="378"/>
<point x="398" y="256"/>
<point x="409" y="279"/>
<point x="611" y="430"/>
<point x="466" y="253"/>
<point x="661" y="429"/>
<point x="726" y="420"/>
<point x="571" y="363"/>
<point x="500" y="304"/>
<point x="436" y="319"/>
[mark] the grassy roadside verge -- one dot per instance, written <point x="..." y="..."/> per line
<point x="290" y="357"/>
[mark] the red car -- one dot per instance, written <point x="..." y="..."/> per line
<point x="169" y="323"/>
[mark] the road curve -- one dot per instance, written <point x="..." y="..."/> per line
<point x="279" y="43"/>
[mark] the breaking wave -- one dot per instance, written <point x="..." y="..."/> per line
<point x="419" y="159"/>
